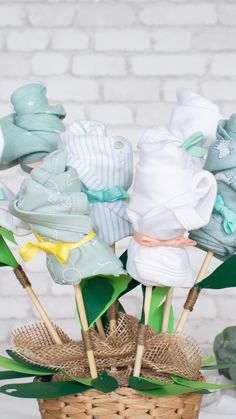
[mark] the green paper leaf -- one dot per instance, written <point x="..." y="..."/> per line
<point x="105" y="319"/>
<point x="157" y="309"/>
<point x="2" y="265"/>
<point x="200" y="385"/>
<point x="10" y="375"/>
<point x="223" y="277"/>
<point x="156" y="319"/>
<point x="218" y="366"/>
<point x="124" y="258"/>
<point x="209" y="361"/>
<point x="100" y="292"/>
<point x="131" y="285"/>
<point x="43" y="370"/>
<point x="170" y="390"/>
<point x="140" y="383"/>
<point x="28" y="364"/>
<point x="85" y="381"/>
<point x="43" y="390"/>
<point x="157" y="388"/>
<point x="7" y="234"/>
<point x="91" y="289"/>
<point x="6" y="256"/>
<point x="11" y="364"/>
<point x="108" y="287"/>
<point x="105" y="383"/>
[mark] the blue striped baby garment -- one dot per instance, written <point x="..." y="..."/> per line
<point x="102" y="162"/>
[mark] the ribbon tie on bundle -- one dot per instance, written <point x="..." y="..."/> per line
<point x="191" y="145"/>
<point x="229" y="216"/>
<point x="175" y="242"/>
<point x="61" y="251"/>
<point x="116" y="193"/>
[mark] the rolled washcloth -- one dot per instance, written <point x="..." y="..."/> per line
<point x="105" y="167"/>
<point x="170" y="196"/>
<point x="52" y="203"/>
<point x="33" y="131"/>
<point x="7" y="220"/>
<point x="194" y="114"/>
<point x="219" y="235"/>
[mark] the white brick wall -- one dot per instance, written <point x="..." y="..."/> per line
<point x="119" y="61"/>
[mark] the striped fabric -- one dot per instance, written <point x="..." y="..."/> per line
<point x="102" y="162"/>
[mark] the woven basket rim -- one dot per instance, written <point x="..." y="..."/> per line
<point x="124" y="402"/>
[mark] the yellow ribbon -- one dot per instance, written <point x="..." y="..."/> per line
<point x="61" y="251"/>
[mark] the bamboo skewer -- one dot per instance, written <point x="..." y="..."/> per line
<point x="85" y="332"/>
<point x="142" y="332"/>
<point x="25" y="283"/>
<point x="112" y="314"/>
<point x="194" y="293"/>
<point x="113" y="310"/>
<point x="167" y="308"/>
<point x="100" y="328"/>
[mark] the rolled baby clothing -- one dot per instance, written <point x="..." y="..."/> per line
<point x="7" y="220"/>
<point x="105" y="167"/>
<point x="33" y="131"/>
<point x="219" y="235"/>
<point x="51" y="201"/>
<point x="170" y="196"/>
<point x="194" y="114"/>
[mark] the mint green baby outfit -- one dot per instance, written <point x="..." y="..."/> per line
<point x="52" y="203"/>
<point x="33" y="131"/>
<point x="219" y="235"/>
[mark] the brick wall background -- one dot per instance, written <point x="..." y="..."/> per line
<point x="118" y="61"/>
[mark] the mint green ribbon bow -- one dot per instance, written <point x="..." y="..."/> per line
<point x="229" y="216"/>
<point x="191" y="145"/>
<point x="2" y="195"/>
<point x="116" y="193"/>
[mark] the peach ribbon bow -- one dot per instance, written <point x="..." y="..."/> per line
<point x="180" y="241"/>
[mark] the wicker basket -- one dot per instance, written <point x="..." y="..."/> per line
<point x="122" y="403"/>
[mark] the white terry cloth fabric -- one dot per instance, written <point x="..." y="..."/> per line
<point x="7" y="220"/>
<point x="192" y="114"/>
<point x="102" y="162"/>
<point x="170" y="196"/>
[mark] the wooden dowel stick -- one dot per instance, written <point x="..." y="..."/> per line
<point x="167" y="308"/>
<point x="100" y="328"/>
<point x="140" y="345"/>
<point x="112" y="315"/>
<point x="84" y="323"/>
<point x="113" y="324"/>
<point x="113" y="321"/>
<point x="201" y="275"/>
<point x="43" y="315"/>
<point x="25" y="283"/>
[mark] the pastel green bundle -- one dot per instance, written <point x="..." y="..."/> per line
<point x="52" y="203"/>
<point x="219" y="236"/>
<point x="33" y="131"/>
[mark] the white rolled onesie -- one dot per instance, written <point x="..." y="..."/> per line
<point x="192" y="114"/>
<point x="102" y="162"/>
<point x="170" y="196"/>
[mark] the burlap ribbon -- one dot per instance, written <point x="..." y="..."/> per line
<point x="165" y="354"/>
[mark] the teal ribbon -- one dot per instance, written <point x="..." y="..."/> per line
<point x="116" y="193"/>
<point x="191" y="145"/>
<point x="229" y="216"/>
<point x="2" y="195"/>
